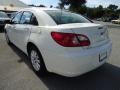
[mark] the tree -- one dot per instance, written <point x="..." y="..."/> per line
<point x="41" y="5"/>
<point x="37" y="6"/>
<point x="82" y="9"/>
<point x="112" y="7"/>
<point x="96" y="12"/>
<point x="74" y="4"/>
<point x="99" y="11"/>
<point x="32" y="5"/>
<point x="111" y="11"/>
<point x="51" y="6"/>
<point x="118" y="12"/>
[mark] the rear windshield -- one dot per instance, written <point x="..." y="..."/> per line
<point x="3" y="15"/>
<point x="64" y="17"/>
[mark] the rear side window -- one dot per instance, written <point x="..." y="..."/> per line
<point x="64" y="17"/>
<point x="26" y="17"/>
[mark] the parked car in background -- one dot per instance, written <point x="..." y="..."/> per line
<point x="11" y="14"/>
<point x="108" y="19"/>
<point x="116" y="21"/>
<point x="3" y="20"/>
<point x="59" y="41"/>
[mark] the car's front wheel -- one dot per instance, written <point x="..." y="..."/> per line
<point x="37" y="61"/>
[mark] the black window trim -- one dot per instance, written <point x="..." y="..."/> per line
<point x="36" y="19"/>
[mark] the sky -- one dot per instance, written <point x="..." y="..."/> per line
<point x="90" y="3"/>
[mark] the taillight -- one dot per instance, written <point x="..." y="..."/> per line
<point x="70" y="39"/>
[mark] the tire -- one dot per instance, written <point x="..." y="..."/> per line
<point x="7" y="38"/>
<point x="37" y="62"/>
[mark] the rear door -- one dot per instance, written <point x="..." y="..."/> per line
<point x="27" y="22"/>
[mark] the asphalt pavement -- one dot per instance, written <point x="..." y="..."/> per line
<point x="16" y="73"/>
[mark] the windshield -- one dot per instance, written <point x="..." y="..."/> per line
<point x="64" y="17"/>
<point x="3" y="15"/>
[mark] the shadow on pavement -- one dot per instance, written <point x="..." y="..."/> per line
<point x="106" y="77"/>
<point x="22" y="55"/>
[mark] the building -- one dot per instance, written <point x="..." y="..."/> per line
<point x="11" y="5"/>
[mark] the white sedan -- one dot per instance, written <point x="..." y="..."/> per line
<point x="59" y="41"/>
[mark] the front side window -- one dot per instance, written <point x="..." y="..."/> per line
<point x="26" y="17"/>
<point x="17" y="18"/>
<point x="64" y="17"/>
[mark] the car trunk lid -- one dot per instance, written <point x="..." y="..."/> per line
<point x="97" y="34"/>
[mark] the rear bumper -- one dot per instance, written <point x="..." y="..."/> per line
<point x="75" y="64"/>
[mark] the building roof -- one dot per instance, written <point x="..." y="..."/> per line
<point x="12" y="5"/>
<point x="15" y="3"/>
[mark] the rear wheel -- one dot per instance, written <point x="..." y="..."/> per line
<point x="37" y="61"/>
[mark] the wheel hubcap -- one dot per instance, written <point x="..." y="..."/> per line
<point x="35" y="60"/>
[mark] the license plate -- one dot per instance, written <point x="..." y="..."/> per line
<point x="102" y="56"/>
